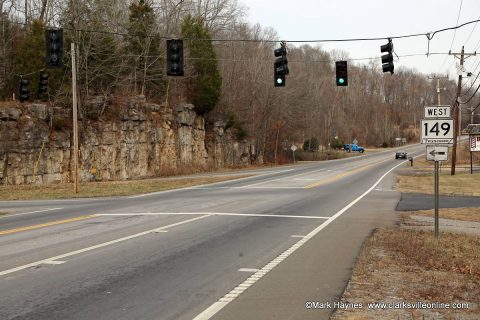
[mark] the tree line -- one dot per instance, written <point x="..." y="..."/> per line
<point x="121" y="51"/>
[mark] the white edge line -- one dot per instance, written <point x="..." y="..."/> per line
<point x="207" y="184"/>
<point x="295" y="175"/>
<point x="209" y="213"/>
<point x="69" y="254"/>
<point x="22" y="213"/>
<point x="222" y="302"/>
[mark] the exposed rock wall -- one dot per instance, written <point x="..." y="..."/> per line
<point x="132" y="140"/>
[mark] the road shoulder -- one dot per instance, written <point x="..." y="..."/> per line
<point x="318" y="271"/>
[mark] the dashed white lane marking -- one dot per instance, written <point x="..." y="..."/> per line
<point x="222" y="302"/>
<point x="69" y="254"/>
<point x="209" y="213"/>
<point x="22" y="213"/>
<point x="297" y="236"/>
<point x="53" y="262"/>
<point x="252" y="270"/>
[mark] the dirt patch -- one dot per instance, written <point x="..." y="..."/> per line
<point x="105" y="189"/>
<point x="411" y="275"/>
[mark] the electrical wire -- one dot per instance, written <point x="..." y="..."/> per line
<point x="473" y="95"/>
<point x="454" y="34"/>
<point x="429" y="35"/>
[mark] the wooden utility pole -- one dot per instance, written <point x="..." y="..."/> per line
<point x="75" y="124"/>
<point x="456" y="106"/>
<point x="438" y="87"/>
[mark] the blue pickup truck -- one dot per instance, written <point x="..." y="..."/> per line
<point x="353" y="147"/>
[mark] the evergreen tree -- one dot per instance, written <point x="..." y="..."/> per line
<point x="144" y="44"/>
<point x="29" y="62"/>
<point x="204" y="91"/>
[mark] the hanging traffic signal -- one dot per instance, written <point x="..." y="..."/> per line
<point x="54" y="47"/>
<point x="23" y="91"/>
<point x="387" y="59"/>
<point x="342" y="73"/>
<point x="42" y="85"/>
<point x="280" y="66"/>
<point x="175" y="57"/>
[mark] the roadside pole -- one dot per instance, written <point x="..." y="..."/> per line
<point x="75" y="120"/>
<point x="456" y="106"/>
<point x="436" y="199"/>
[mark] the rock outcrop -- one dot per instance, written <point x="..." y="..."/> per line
<point x="129" y="140"/>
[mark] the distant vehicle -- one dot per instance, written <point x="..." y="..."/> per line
<point x="353" y="147"/>
<point x="401" y="155"/>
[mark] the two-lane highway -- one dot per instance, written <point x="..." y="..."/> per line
<point x="182" y="253"/>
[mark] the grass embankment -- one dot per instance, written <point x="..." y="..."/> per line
<point x="399" y="265"/>
<point x="420" y="178"/>
<point x="104" y="189"/>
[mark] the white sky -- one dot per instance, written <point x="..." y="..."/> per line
<point x="337" y="19"/>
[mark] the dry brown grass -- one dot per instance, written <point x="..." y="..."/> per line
<point x="419" y="178"/>
<point x="464" y="214"/>
<point x="104" y="189"/>
<point x="398" y="265"/>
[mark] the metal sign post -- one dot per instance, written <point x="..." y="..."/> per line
<point x="436" y="199"/>
<point x="436" y="129"/>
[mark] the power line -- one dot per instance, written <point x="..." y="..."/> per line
<point x="454" y="34"/>
<point x="429" y="35"/>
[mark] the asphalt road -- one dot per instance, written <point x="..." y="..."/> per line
<point x="253" y="248"/>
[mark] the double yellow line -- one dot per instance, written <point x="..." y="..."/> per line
<point x="37" y="226"/>
<point x="342" y="175"/>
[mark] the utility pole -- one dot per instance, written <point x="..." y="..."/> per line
<point x="456" y="106"/>
<point x="438" y="86"/>
<point x="75" y="124"/>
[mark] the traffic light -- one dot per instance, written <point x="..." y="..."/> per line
<point x="175" y="57"/>
<point x="42" y="85"/>
<point x="23" y="91"/>
<point x="342" y="73"/>
<point x="280" y="66"/>
<point x="387" y="59"/>
<point x="54" y="47"/>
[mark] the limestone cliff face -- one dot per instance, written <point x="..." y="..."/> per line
<point x="132" y="140"/>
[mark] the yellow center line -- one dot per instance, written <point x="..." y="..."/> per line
<point x="37" y="226"/>
<point x="341" y="175"/>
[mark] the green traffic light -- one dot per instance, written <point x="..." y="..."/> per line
<point x="341" y="81"/>
<point x="279" y="80"/>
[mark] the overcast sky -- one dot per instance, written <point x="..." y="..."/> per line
<point x="337" y="19"/>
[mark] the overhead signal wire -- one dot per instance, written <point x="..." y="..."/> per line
<point x="429" y="35"/>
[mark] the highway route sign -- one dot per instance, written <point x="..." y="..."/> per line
<point x="436" y="131"/>
<point x="437" y="153"/>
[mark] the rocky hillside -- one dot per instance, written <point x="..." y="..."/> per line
<point x="133" y="139"/>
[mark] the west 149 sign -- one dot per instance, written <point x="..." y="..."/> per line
<point x="437" y="127"/>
